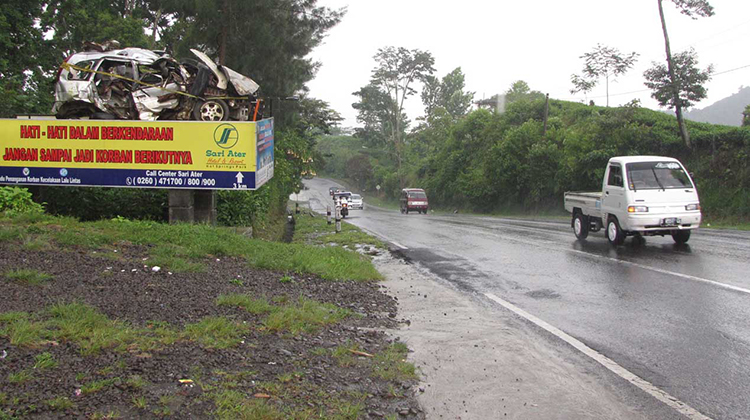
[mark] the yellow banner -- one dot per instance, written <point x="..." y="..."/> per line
<point x="135" y="145"/>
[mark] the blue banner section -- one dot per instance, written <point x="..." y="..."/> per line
<point x="170" y="179"/>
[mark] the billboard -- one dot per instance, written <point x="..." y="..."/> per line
<point x="136" y="154"/>
<point x="264" y="152"/>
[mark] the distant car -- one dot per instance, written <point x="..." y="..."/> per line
<point x="333" y="190"/>
<point x="108" y="82"/>
<point x="413" y="199"/>
<point x="356" y="202"/>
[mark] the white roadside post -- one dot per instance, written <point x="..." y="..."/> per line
<point x="328" y="214"/>
<point x="338" y="219"/>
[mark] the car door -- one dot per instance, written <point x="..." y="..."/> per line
<point x="613" y="196"/>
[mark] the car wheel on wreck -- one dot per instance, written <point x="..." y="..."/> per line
<point x="211" y="110"/>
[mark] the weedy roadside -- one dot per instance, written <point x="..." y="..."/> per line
<point x="123" y="319"/>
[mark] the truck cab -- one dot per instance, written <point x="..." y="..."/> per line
<point x="641" y="196"/>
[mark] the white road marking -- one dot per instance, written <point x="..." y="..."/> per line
<point x="399" y="245"/>
<point x="672" y="273"/>
<point x="608" y="363"/>
<point x="555" y="245"/>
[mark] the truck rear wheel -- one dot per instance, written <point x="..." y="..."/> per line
<point x="680" y="236"/>
<point x="581" y="226"/>
<point x="615" y="234"/>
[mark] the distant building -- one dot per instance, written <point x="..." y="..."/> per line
<point x="495" y="103"/>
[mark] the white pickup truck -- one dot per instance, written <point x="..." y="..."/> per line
<point x="641" y="196"/>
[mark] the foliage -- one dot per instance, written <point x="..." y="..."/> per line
<point x="14" y="201"/>
<point x="602" y="61"/>
<point x="694" y="7"/>
<point x="283" y="33"/>
<point x="381" y="106"/>
<point x="25" y="78"/>
<point x="504" y="162"/>
<point x="447" y="94"/>
<point x="689" y="81"/>
<point x="746" y="117"/>
<point x="520" y="91"/>
<point x="267" y="39"/>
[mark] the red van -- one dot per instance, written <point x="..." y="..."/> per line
<point x="413" y="199"/>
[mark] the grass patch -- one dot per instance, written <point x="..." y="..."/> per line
<point x="83" y="325"/>
<point x="216" y="332"/>
<point x="23" y="332"/>
<point x="391" y="365"/>
<point x="184" y="247"/>
<point x="304" y="316"/>
<point x="59" y="403"/>
<point x="316" y="230"/>
<point x="257" y="306"/>
<point x="28" y="276"/>
<point x="44" y="361"/>
<point x="10" y="233"/>
<point x="136" y="382"/>
<point x="231" y="405"/>
<point x="20" y="377"/>
<point x="36" y="243"/>
<point x="96" y="386"/>
<point x="139" y="402"/>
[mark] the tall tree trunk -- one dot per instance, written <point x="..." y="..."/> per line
<point x="157" y="18"/>
<point x="675" y="89"/>
<point x="224" y="32"/>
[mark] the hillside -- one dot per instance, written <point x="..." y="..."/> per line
<point x="727" y="111"/>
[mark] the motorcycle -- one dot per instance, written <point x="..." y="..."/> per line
<point x="344" y="209"/>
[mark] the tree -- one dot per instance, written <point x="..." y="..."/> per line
<point x="268" y="40"/>
<point x="746" y="117"/>
<point x="26" y="60"/>
<point x="684" y="76"/>
<point x="602" y="61"/>
<point x="391" y="83"/>
<point x="519" y="91"/>
<point x="447" y="93"/>
<point x="691" y="8"/>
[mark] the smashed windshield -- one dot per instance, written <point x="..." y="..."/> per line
<point x="657" y="175"/>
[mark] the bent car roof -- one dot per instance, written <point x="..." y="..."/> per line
<point x="141" y="55"/>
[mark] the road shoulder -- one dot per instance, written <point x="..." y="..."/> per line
<point x="478" y="361"/>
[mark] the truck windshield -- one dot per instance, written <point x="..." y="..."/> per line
<point x="417" y="194"/>
<point x="657" y="175"/>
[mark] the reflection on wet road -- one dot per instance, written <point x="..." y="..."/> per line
<point x="677" y="316"/>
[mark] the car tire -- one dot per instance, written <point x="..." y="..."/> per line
<point x="581" y="226"/>
<point x="615" y="234"/>
<point x="680" y="236"/>
<point x="211" y="110"/>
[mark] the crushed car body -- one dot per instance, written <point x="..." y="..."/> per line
<point x="108" y="82"/>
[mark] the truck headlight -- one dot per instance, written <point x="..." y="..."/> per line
<point x="693" y="207"/>
<point x="637" y="209"/>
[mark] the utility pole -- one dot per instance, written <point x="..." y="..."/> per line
<point x="546" y="113"/>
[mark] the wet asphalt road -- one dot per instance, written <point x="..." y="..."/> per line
<point x="677" y="316"/>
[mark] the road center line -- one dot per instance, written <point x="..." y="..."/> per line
<point x="608" y="363"/>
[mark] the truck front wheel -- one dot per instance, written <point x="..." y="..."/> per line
<point x="581" y="226"/>
<point x="615" y="234"/>
<point x="680" y="236"/>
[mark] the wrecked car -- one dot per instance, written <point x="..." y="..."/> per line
<point x="105" y="82"/>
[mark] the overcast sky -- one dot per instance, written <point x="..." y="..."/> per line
<point x="498" y="42"/>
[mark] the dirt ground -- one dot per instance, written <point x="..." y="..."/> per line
<point x="127" y="289"/>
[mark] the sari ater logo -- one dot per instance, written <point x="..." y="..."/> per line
<point x="226" y="136"/>
<point x="226" y="157"/>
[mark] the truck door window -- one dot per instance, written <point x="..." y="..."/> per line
<point x="615" y="176"/>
